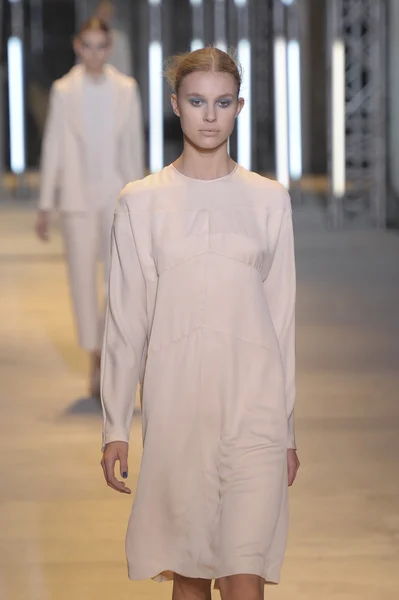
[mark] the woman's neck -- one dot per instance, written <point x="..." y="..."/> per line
<point x="95" y="74"/>
<point x="204" y="164"/>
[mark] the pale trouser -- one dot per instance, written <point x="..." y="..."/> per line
<point x="87" y="238"/>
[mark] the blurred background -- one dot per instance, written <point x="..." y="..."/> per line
<point x="321" y="84"/>
<point x="320" y="80"/>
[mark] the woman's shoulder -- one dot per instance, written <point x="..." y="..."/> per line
<point x="59" y="86"/>
<point x="269" y="190"/>
<point x="67" y="81"/>
<point x="124" y="81"/>
<point x="138" y="195"/>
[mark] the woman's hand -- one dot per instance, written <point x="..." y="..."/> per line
<point x="293" y="465"/>
<point x="42" y="225"/>
<point x="113" y="452"/>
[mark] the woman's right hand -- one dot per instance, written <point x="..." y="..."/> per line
<point x="42" y="225"/>
<point x="113" y="452"/>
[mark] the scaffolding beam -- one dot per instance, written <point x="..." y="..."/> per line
<point x="361" y="26"/>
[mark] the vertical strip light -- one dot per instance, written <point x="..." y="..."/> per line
<point x="294" y="109"/>
<point x="244" y="149"/>
<point x="16" y="104"/>
<point x="197" y="9"/>
<point x="220" y="25"/>
<point x="281" y="110"/>
<point x="338" y="118"/>
<point x="196" y="44"/>
<point x="15" y="56"/>
<point x="156" y="142"/>
<point x="244" y="122"/>
<point x="221" y="45"/>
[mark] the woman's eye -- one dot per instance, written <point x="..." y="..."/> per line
<point x="198" y="102"/>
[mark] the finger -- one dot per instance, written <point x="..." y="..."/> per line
<point x="109" y="466"/>
<point x="111" y="479"/>
<point x="123" y="466"/>
<point x="104" y="471"/>
<point x="119" y="486"/>
<point x="292" y="474"/>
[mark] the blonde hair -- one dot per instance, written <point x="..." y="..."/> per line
<point x="209" y="59"/>
<point x="94" y="24"/>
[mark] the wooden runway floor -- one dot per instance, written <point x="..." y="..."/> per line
<point x="62" y="530"/>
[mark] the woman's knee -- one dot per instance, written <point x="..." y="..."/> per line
<point x="187" y="588"/>
<point x="241" y="587"/>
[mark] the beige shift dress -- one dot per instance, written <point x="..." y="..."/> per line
<point x="202" y="306"/>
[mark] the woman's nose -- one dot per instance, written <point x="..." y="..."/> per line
<point x="210" y="116"/>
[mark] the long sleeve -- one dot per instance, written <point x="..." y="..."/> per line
<point x="126" y="330"/>
<point x="280" y="289"/>
<point x="51" y="152"/>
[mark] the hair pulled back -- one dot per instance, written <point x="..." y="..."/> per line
<point x="209" y="59"/>
<point x="94" y="24"/>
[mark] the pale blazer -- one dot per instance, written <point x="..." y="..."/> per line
<point x="63" y="149"/>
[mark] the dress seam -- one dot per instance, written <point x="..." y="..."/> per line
<point x="238" y="337"/>
<point x="153" y="352"/>
<point x="211" y="210"/>
<point x="183" y="262"/>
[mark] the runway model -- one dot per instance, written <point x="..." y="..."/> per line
<point x="201" y="310"/>
<point x="92" y="147"/>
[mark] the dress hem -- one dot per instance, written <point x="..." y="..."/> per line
<point x="165" y="575"/>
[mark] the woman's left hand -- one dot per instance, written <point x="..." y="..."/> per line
<point x="293" y="465"/>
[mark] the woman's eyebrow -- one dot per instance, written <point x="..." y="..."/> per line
<point x="201" y="95"/>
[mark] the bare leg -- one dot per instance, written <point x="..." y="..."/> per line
<point x="186" y="588"/>
<point x="241" y="587"/>
<point x="95" y="361"/>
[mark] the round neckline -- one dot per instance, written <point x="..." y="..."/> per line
<point x="180" y="174"/>
<point x="95" y="81"/>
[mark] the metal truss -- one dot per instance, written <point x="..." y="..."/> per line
<point x="361" y="24"/>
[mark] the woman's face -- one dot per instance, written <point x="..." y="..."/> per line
<point x="93" y="48"/>
<point x="207" y="105"/>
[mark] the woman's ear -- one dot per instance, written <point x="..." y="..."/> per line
<point x="77" y="46"/>
<point x="240" y="106"/>
<point x="175" y="105"/>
